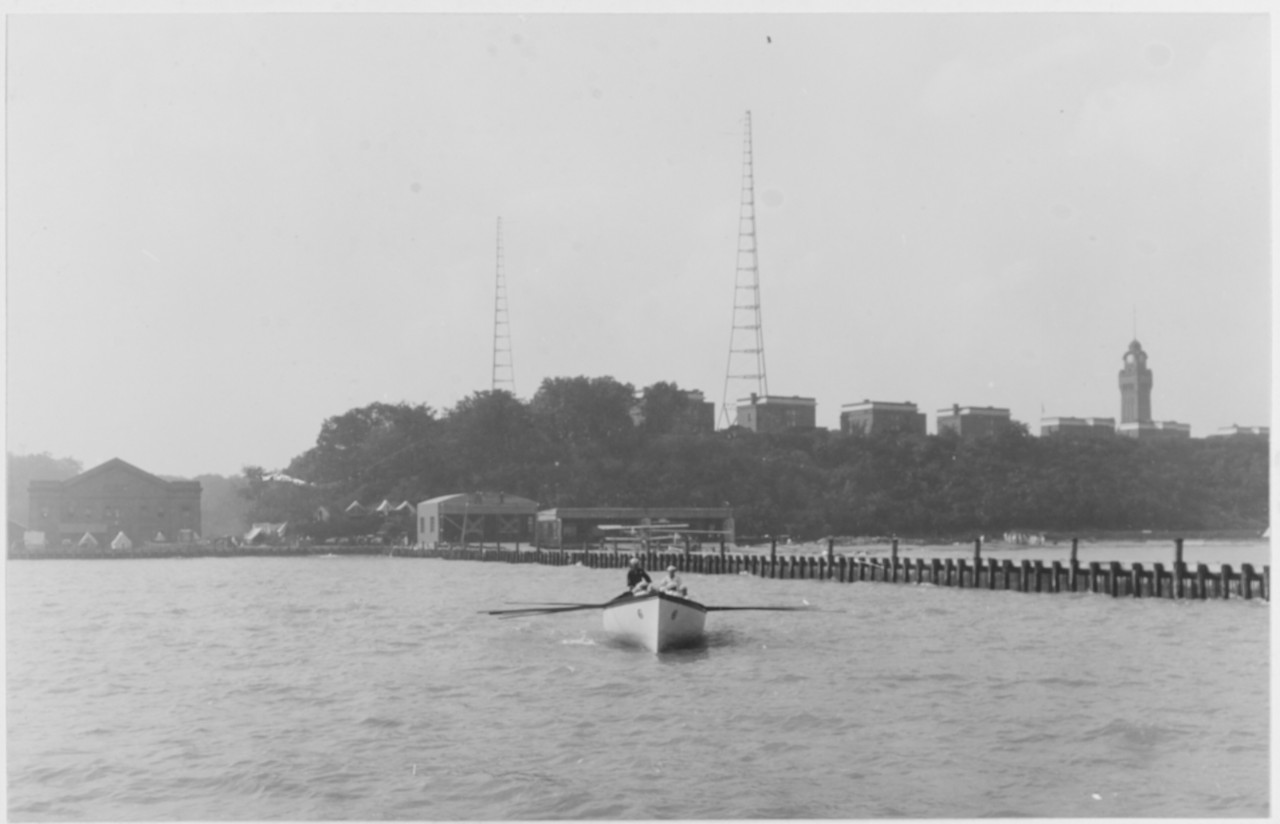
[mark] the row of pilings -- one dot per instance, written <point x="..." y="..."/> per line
<point x="1179" y="580"/>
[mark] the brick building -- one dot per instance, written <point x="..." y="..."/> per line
<point x="697" y="414"/>
<point x="775" y="413"/>
<point x="875" y="417"/>
<point x="1078" y="427"/>
<point x="112" y="498"/>
<point x="972" y="421"/>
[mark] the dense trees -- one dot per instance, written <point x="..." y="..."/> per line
<point x="577" y="443"/>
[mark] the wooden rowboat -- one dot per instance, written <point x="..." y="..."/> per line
<point x="657" y="621"/>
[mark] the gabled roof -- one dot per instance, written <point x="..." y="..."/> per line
<point x="115" y="464"/>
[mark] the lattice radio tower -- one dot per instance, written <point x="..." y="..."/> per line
<point x="745" y="372"/>
<point x="504" y="375"/>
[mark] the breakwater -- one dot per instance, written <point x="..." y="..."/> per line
<point x="1115" y="579"/>
<point x="193" y="551"/>
<point x="1179" y="580"/>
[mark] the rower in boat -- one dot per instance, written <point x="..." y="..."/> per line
<point x="638" y="581"/>
<point x="672" y="583"/>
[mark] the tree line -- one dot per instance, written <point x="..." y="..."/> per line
<point x="598" y="442"/>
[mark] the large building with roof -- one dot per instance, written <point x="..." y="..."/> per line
<point x="475" y="518"/>
<point x="112" y="499"/>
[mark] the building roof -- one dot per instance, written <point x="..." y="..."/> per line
<point x="993" y="411"/>
<point x="113" y="465"/>
<point x="779" y="400"/>
<point x="652" y="512"/>
<point x="481" y="503"/>
<point x="880" y="406"/>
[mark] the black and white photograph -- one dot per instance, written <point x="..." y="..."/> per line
<point x="615" y="412"/>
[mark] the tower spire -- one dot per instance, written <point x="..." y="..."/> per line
<point x="503" y="370"/>
<point x="745" y="373"/>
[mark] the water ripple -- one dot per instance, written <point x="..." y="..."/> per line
<point x="369" y="688"/>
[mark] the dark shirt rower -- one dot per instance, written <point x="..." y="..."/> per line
<point x="635" y="575"/>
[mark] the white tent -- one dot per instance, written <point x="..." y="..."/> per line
<point x="88" y="540"/>
<point x="159" y="539"/>
<point x="121" y="541"/>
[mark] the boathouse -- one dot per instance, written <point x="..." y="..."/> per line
<point x="565" y="527"/>
<point x="475" y="518"/>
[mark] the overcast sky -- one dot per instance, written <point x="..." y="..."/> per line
<point x="223" y="229"/>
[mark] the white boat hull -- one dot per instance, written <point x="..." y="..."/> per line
<point x="656" y="621"/>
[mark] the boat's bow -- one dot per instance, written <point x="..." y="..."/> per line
<point x="655" y="620"/>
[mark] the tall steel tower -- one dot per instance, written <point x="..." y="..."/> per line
<point x="504" y="376"/>
<point x="745" y="373"/>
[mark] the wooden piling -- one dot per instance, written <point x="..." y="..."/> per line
<point x="1055" y="579"/>
<point x="935" y="570"/>
<point x="1246" y="581"/>
<point x="1227" y="575"/>
<point x="1202" y="581"/>
<point x="1138" y="573"/>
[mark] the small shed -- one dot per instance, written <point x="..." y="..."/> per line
<point x="475" y="518"/>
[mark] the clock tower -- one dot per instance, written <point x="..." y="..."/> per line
<point x="1135" y="386"/>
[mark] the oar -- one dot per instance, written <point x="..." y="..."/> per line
<point x="775" y="609"/>
<point x="515" y="613"/>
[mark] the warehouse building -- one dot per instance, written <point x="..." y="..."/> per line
<point x="113" y="499"/>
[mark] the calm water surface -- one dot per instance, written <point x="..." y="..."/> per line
<point x="370" y="688"/>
